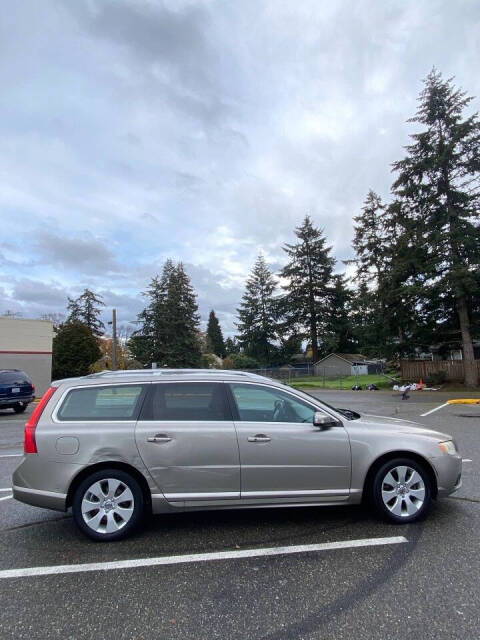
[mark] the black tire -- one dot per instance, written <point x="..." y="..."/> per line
<point x="403" y="503"/>
<point x="136" y="504"/>
<point x="20" y="407"/>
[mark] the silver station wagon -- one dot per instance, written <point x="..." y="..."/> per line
<point x="116" y="445"/>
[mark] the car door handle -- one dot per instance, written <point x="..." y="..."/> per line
<point x="160" y="437"/>
<point x="260" y="437"/>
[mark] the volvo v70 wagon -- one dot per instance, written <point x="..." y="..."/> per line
<point x="113" y="446"/>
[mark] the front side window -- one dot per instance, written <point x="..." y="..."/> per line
<point x="191" y="401"/>
<point x="261" y="404"/>
<point x="101" y="403"/>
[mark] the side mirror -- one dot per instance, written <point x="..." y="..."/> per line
<point x="323" y="421"/>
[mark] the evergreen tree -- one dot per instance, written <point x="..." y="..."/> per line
<point x="87" y="309"/>
<point x="438" y="186"/>
<point x="339" y="328"/>
<point x="182" y="342"/>
<point x="231" y="346"/>
<point x="369" y="240"/>
<point x="367" y="322"/>
<point x="90" y="305"/>
<point x="257" y="314"/>
<point x="214" y="336"/>
<point x="73" y="308"/>
<point x="149" y="343"/>
<point x="169" y="323"/>
<point x="308" y="299"/>
<point x="75" y="350"/>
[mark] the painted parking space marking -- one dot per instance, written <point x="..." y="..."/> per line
<point x="422" y="415"/>
<point x="466" y="460"/>
<point x="12" y="455"/>
<point x="6" y="498"/>
<point x="197" y="557"/>
<point x="7" y="489"/>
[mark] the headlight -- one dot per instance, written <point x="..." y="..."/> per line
<point x="448" y="447"/>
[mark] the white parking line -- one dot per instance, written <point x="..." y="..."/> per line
<point x="466" y="460"/>
<point x="12" y="455"/>
<point x="196" y="557"/>
<point x="6" y="498"/>
<point x="433" y="410"/>
<point x="8" y="489"/>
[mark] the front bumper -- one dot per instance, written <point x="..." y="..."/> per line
<point x="41" y="498"/>
<point x="449" y="473"/>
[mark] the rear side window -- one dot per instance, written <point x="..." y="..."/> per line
<point x="186" y="401"/>
<point x="14" y="377"/>
<point x="101" y="403"/>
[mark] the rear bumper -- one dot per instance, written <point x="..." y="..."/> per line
<point x="41" y="498"/>
<point x="11" y="401"/>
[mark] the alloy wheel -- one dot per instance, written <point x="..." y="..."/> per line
<point x="107" y="505"/>
<point x="403" y="491"/>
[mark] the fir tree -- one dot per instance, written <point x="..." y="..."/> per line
<point x="73" y="308"/>
<point x="257" y="314"/>
<point x="169" y="323"/>
<point x="149" y="343"/>
<point x="438" y="185"/>
<point x="90" y="306"/>
<point x="214" y="336"/>
<point x="382" y="273"/>
<point x="369" y="240"/>
<point x="182" y="342"/>
<point x="308" y="296"/>
<point x="231" y="346"/>
<point x="339" y="328"/>
<point x="87" y="309"/>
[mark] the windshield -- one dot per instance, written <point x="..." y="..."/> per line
<point x="347" y="413"/>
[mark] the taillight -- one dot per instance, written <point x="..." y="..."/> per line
<point x="29" y="444"/>
<point x="33" y="388"/>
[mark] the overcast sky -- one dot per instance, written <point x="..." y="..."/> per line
<point x="204" y="131"/>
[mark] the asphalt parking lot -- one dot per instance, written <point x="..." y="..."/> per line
<point x="418" y="581"/>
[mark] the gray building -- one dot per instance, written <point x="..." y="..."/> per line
<point x="342" y="364"/>
<point x="27" y="345"/>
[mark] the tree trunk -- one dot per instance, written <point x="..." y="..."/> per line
<point x="314" y="339"/>
<point x="470" y="366"/>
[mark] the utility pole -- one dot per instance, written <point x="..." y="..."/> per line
<point x="114" y="339"/>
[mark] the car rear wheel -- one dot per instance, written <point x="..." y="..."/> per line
<point x="402" y="490"/>
<point x="108" y="505"/>
<point x="20" y="407"/>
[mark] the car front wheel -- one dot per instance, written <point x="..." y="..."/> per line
<point x="402" y="490"/>
<point x="108" y="505"/>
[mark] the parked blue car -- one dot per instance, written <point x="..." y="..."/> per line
<point x="16" y="390"/>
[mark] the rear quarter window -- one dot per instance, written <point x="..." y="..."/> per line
<point x="101" y="403"/>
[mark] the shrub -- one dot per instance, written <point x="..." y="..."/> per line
<point x="240" y="361"/>
<point x="438" y="377"/>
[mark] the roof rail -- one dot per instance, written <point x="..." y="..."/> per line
<point x="174" y="372"/>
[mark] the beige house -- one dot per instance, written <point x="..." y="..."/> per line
<point x="341" y="364"/>
<point x="27" y="345"/>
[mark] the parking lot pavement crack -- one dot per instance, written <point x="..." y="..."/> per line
<point x="464" y="499"/>
<point x="370" y="585"/>
<point x="34" y="524"/>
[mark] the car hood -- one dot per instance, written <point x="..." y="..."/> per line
<point x="399" y="425"/>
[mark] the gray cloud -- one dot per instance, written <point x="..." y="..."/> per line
<point x="84" y="254"/>
<point x="39" y="293"/>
